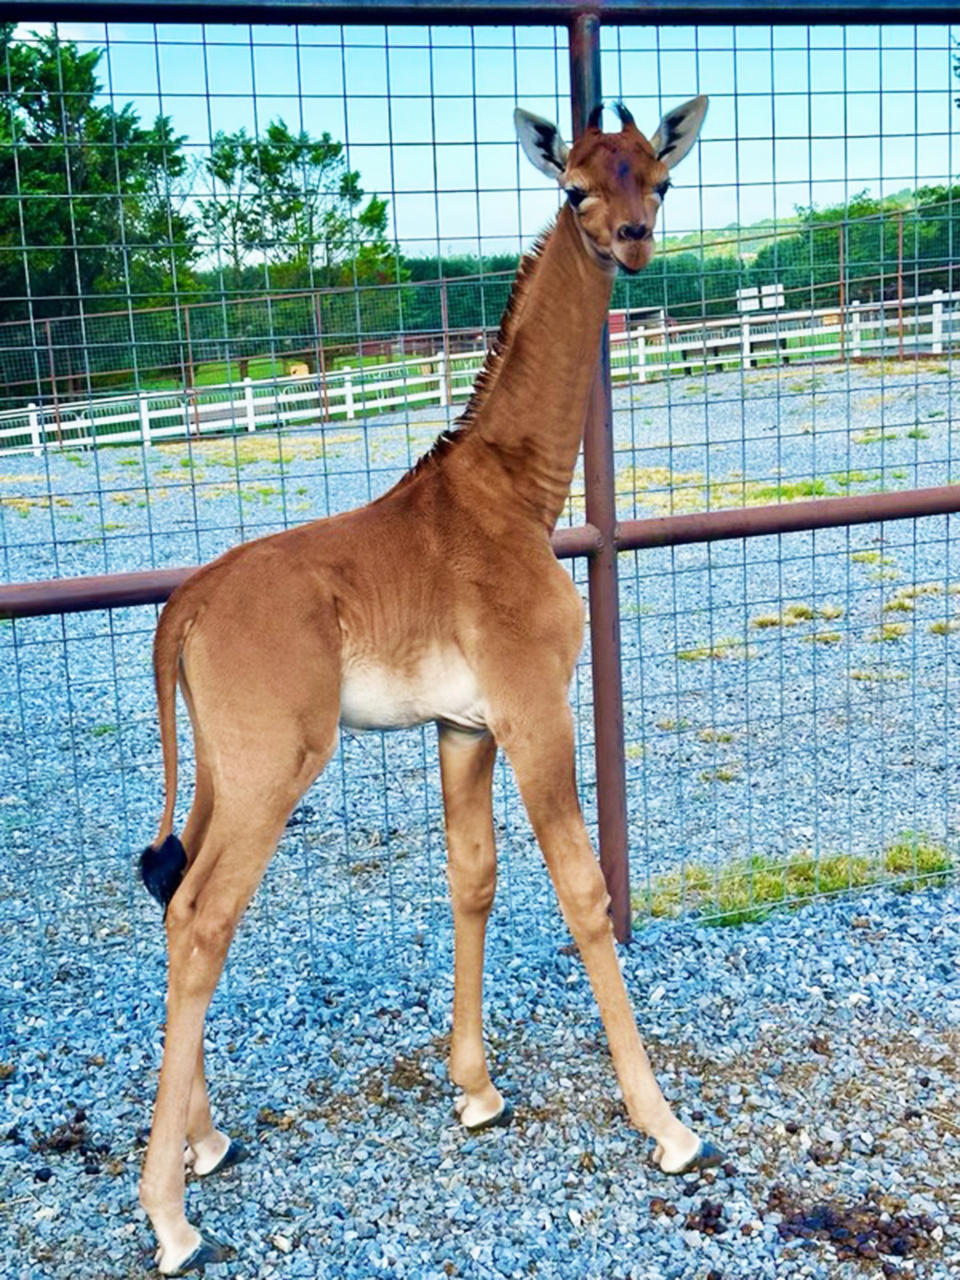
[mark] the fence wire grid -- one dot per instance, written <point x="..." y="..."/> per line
<point x="248" y="273"/>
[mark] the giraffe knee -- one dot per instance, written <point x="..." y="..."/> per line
<point x="472" y="887"/>
<point x="213" y="928"/>
<point x="586" y="905"/>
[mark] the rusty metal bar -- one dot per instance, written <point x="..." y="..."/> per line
<point x="81" y="595"/>
<point x="601" y="510"/>
<point x="153" y="586"/>
<point x="486" y="12"/>
<point x="123" y="590"/>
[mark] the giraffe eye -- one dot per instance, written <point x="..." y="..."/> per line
<point x="663" y="188"/>
<point x="576" y="195"/>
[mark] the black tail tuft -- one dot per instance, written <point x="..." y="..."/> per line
<point x="161" y="870"/>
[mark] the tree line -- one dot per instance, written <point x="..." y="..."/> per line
<point x="102" y="207"/>
<point x="99" y="206"/>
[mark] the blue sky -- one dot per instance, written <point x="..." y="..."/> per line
<point x="798" y="115"/>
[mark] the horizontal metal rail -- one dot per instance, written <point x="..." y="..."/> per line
<point x="487" y="12"/>
<point x="153" y="586"/>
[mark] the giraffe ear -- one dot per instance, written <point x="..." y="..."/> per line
<point x="542" y="143"/>
<point x="678" y="131"/>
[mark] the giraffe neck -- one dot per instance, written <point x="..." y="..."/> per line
<point x="532" y="416"/>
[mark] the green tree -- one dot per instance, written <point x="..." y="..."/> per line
<point x="88" y="207"/>
<point x="290" y="201"/>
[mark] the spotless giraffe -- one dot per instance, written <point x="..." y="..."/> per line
<point x="442" y="600"/>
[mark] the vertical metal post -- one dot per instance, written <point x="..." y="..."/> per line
<point x="53" y="382"/>
<point x="842" y="291"/>
<point x="900" y="284"/>
<point x="601" y="512"/>
<point x="445" y="389"/>
<point x="189" y="370"/>
<point x="321" y="358"/>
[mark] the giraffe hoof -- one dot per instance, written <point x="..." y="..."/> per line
<point x="499" y="1121"/>
<point x="234" y="1154"/>
<point x="207" y="1253"/>
<point x="706" y="1156"/>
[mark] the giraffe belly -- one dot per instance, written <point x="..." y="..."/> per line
<point x="440" y="687"/>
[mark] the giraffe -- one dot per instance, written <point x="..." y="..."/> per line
<point x="441" y="600"/>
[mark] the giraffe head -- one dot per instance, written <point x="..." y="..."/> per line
<point x="614" y="182"/>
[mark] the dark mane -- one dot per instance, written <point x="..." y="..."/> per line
<point x="486" y="378"/>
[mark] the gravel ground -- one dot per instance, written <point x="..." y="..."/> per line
<point x="820" y="1046"/>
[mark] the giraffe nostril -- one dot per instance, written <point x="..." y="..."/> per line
<point x="632" y="231"/>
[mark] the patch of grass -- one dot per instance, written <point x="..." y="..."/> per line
<point x="748" y="889"/>
<point x="824" y="637"/>
<point x="899" y="604"/>
<point x="944" y="627"/>
<point x="918" y="434"/>
<point x="919" y="589"/>
<point x="873" y="435"/>
<point x="884" y="575"/>
<point x="662" y="491"/>
<point x="726" y="773"/>
<point x="847" y="478"/>
<point x="715" y="735"/>
<point x="790" y="617"/>
<point x="865" y="557"/>
<point x="25" y="503"/>
<point x="877" y="675"/>
<point x="889" y="631"/>
<point x="830" y="611"/>
<point x="907" y="368"/>
<point x="635" y="750"/>
<point x="721" y="649"/>
<point x="102" y="730"/>
<point x="242" y="451"/>
<point x="792" y="491"/>
<point x="799" y="613"/>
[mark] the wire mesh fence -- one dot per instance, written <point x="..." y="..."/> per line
<point x="236" y="224"/>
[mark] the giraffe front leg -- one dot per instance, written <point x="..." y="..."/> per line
<point x="466" y="768"/>
<point x="544" y="764"/>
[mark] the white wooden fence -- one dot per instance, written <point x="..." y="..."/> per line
<point x="928" y="325"/>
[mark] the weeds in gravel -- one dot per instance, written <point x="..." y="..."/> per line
<point x="889" y="631"/>
<point x="715" y="735"/>
<point x="242" y="451"/>
<point x="720" y="649"/>
<point x="877" y="675"/>
<point x="662" y="491"/>
<point x="872" y="435"/>
<point x="726" y="773"/>
<point x="794" y="614"/>
<point x="920" y="589"/>
<point x="944" y="627"/>
<point x="748" y="889"/>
